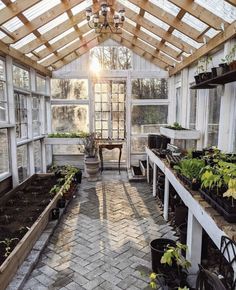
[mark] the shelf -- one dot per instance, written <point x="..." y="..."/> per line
<point x="219" y="80"/>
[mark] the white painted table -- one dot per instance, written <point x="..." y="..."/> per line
<point x="198" y="218"/>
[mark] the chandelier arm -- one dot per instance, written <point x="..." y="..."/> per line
<point x="89" y="24"/>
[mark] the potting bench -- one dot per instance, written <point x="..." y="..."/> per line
<point x="200" y="214"/>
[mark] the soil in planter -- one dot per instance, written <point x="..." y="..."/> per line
<point x="20" y="211"/>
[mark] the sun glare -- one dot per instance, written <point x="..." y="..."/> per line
<point x="95" y="65"/>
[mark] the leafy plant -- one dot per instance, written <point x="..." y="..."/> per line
<point x="8" y="245"/>
<point x="191" y="168"/>
<point x="79" y="134"/>
<point x="175" y="126"/>
<point x="211" y="180"/>
<point x="90" y="145"/>
<point x="230" y="56"/>
<point x="203" y="64"/>
<point x="231" y="192"/>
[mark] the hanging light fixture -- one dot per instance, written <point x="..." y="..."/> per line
<point x="101" y="22"/>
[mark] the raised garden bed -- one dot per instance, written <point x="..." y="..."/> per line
<point x="24" y="214"/>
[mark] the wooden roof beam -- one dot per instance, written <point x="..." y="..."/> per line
<point x="21" y="58"/>
<point x="14" y="9"/>
<point x="169" y="19"/>
<point x="232" y="2"/>
<point x="155" y="29"/>
<point x="200" y="13"/>
<point x="215" y="42"/>
<point x="42" y="20"/>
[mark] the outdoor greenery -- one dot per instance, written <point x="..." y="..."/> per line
<point x="176" y="126"/>
<point x="68" y="135"/>
<point x="191" y="168"/>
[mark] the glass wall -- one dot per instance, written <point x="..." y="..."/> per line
<point x="36" y="115"/>
<point x="21" y="78"/>
<point x="193" y="109"/>
<point x="21" y="115"/>
<point x="4" y="154"/>
<point x="40" y="84"/>
<point x="149" y="89"/>
<point x="22" y="162"/>
<point x="37" y="156"/>
<point x="3" y="93"/>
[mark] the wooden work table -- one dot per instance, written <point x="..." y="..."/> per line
<point x="200" y="214"/>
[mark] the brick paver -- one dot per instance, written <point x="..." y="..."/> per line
<point x="103" y="240"/>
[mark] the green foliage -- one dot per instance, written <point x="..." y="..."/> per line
<point x="231" y="192"/>
<point x="79" y="134"/>
<point x="211" y="180"/>
<point x="203" y="64"/>
<point x="173" y="255"/>
<point x="8" y="245"/>
<point x="185" y="288"/>
<point x="191" y="168"/>
<point x="230" y="56"/>
<point x="176" y="126"/>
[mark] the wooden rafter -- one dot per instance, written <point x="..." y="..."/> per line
<point x="152" y="41"/>
<point x="155" y="29"/>
<point x="14" y="9"/>
<point x="232" y="2"/>
<point x="21" y="58"/>
<point x="145" y="47"/>
<point x="169" y="19"/>
<point x="200" y="13"/>
<point x="42" y="20"/>
<point x="215" y="42"/>
<point x="138" y="51"/>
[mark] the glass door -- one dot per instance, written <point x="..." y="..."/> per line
<point x="110" y="109"/>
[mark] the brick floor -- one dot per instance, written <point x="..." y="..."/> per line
<point x="103" y="239"/>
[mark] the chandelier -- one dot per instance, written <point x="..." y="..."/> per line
<point x="102" y="22"/>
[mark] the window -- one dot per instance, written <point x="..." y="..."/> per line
<point x="110" y="109"/>
<point x="22" y="162"/>
<point x="178" y="105"/>
<point x="40" y="84"/>
<point x="21" y="78"/>
<point x="47" y="110"/>
<point x="37" y="156"/>
<point x="193" y="109"/>
<point x="149" y="89"/>
<point x="70" y="118"/>
<point x="21" y="115"/>
<point x="110" y="58"/>
<point x="35" y="115"/>
<point x="148" y="118"/>
<point x="4" y="154"/>
<point x="138" y="144"/>
<point x="213" y="116"/>
<point x="69" y="89"/>
<point x="3" y="95"/>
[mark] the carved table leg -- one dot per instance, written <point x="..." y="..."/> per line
<point x="101" y="158"/>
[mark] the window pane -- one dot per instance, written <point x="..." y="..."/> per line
<point x="178" y="105"/>
<point x="69" y="89"/>
<point x="20" y="77"/>
<point x="70" y="118"/>
<point x="214" y="116"/>
<point x="3" y="102"/>
<point x="138" y="144"/>
<point x="4" y="154"/>
<point x="21" y="116"/>
<point x="37" y="156"/>
<point x="149" y="89"/>
<point x="2" y="70"/>
<point x="40" y="84"/>
<point x="35" y="115"/>
<point x="148" y="119"/>
<point x="193" y="109"/>
<point x="22" y="161"/>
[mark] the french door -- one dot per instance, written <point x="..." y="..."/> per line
<point x="109" y="102"/>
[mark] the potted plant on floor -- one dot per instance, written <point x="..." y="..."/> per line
<point x="91" y="160"/>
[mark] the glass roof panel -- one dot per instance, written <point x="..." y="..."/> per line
<point x="2" y="5"/>
<point x="24" y="41"/>
<point x="55" y="39"/>
<point x="58" y="20"/>
<point x="40" y="8"/>
<point x="130" y="6"/>
<point x="82" y="6"/>
<point x="13" y="24"/>
<point x="2" y="35"/>
<point x="41" y="47"/>
<point x="187" y="39"/>
<point x="156" y="21"/>
<point x="194" y="22"/>
<point x="167" y="6"/>
<point x="220" y="8"/>
<point x="212" y="32"/>
<point x="150" y="33"/>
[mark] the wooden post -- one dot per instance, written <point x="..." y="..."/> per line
<point x="148" y="170"/>
<point x="166" y="199"/>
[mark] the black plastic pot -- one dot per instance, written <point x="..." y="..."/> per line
<point x="197" y="79"/>
<point x="217" y="71"/>
<point x="225" y="67"/>
<point x="158" y="247"/>
<point x="181" y="212"/>
<point x="61" y="203"/>
<point x="205" y="76"/>
<point x="55" y="212"/>
<point x="78" y="176"/>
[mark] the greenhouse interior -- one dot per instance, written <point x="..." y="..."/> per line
<point x="117" y="144"/>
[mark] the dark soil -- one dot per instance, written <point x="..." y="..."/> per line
<point x="21" y="210"/>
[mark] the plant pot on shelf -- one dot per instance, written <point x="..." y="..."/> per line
<point x="92" y="167"/>
<point x="217" y="71"/>
<point x="225" y="67"/>
<point x="205" y="76"/>
<point x="197" y="79"/>
<point x="232" y="65"/>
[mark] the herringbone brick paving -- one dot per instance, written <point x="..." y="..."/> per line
<point x="103" y="240"/>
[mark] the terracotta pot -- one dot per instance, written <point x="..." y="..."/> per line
<point x="232" y="65"/>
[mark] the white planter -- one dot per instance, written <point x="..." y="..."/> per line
<point x="181" y="134"/>
<point x="63" y="141"/>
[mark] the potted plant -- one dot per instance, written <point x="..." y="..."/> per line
<point x="228" y="63"/>
<point x="202" y="70"/>
<point x="176" y="131"/>
<point x="91" y="161"/>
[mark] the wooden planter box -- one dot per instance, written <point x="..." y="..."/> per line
<point x="63" y="141"/>
<point x="180" y="134"/>
<point x="20" y="252"/>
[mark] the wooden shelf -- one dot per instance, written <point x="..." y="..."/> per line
<point x="219" y="80"/>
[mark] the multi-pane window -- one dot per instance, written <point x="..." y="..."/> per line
<point x="22" y="162"/>
<point x="21" y="115"/>
<point x="4" y="154"/>
<point x="36" y="115"/>
<point x="213" y="116"/>
<point x="69" y="89"/>
<point x="40" y="84"/>
<point x="21" y="78"/>
<point x="110" y="58"/>
<point x="3" y="95"/>
<point x="110" y="109"/>
<point x="149" y="89"/>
